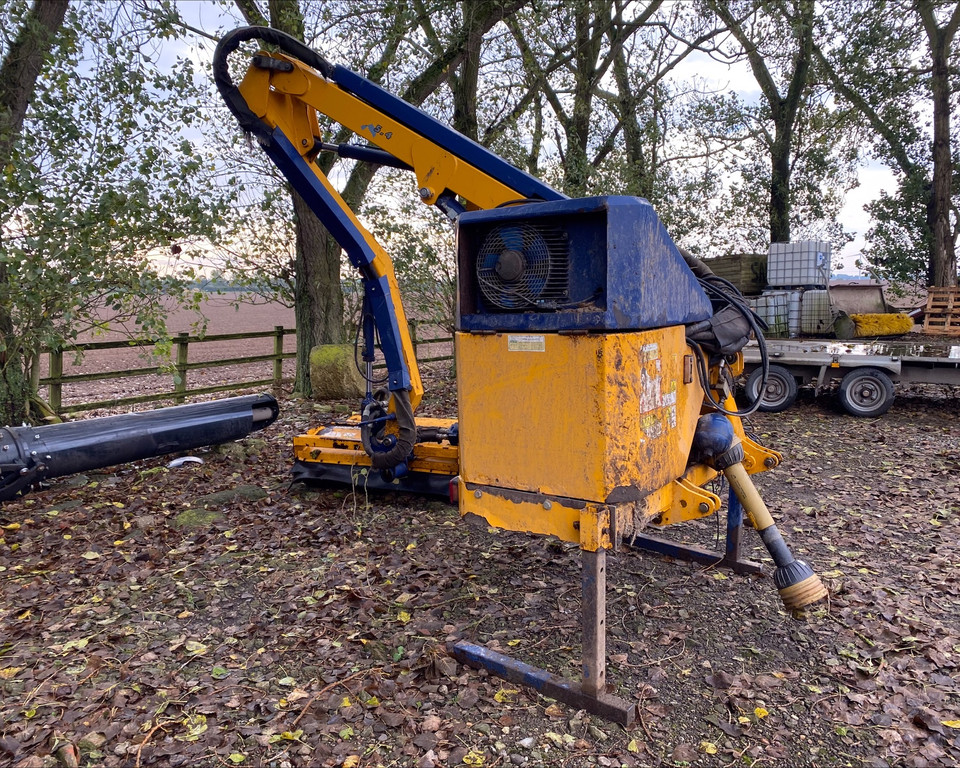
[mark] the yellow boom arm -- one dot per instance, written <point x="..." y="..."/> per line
<point x="279" y="99"/>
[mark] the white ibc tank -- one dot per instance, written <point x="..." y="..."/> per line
<point x="816" y="315"/>
<point x="794" y="304"/>
<point x="804" y="264"/>
<point x="773" y="308"/>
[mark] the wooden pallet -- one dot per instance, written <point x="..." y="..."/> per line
<point x="943" y="312"/>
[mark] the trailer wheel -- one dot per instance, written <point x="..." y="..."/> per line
<point x="779" y="393"/>
<point x="866" y="392"/>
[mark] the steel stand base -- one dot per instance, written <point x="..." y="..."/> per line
<point x="589" y="695"/>
<point x="603" y="705"/>
<point x="729" y="558"/>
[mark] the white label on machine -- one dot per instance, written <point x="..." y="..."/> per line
<point x="526" y="343"/>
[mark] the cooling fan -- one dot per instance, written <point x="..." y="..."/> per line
<point x="523" y="266"/>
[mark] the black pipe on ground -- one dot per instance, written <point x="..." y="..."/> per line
<point x="31" y="454"/>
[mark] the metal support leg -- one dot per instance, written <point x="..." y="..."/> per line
<point x="594" y="599"/>
<point x="734" y="535"/>
<point x="590" y="693"/>
<point x="729" y="558"/>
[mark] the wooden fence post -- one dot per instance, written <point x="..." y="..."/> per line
<point x="56" y="382"/>
<point x="180" y="383"/>
<point x="278" y="361"/>
<point x="412" y="325"/>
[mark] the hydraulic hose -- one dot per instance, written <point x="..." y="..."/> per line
<point x="248" y="120"/>
<point x="723" y="293"/>
<point x="406" y="437"/>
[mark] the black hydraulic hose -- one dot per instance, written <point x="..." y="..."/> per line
<point x="356" y="355"/>
<point x="231" y="93"/>
<point x="757" y="327"/>
<point x="726" y="291"/>
<point x="406" y="438"/>
<point x="31" y="454"/>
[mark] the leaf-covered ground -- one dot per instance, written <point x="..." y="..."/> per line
<point x="212" y="615"/>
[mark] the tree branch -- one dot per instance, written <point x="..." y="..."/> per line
<point x="891" y="137"/>
<point x="252" y="13"/>
<point x="757" y="64"/>
<point x="21" y="68"/>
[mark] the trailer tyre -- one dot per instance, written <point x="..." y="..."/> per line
<point x="779" y="392"/>
<point x="866" y="392"/>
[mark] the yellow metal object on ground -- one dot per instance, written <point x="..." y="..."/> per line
<point x="551" y="424"/>
<point x="341" y="444"/>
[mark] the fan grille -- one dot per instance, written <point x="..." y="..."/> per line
<point x="524" y="266"/>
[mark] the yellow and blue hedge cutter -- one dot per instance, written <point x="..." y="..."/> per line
<point x="594" y="361"/>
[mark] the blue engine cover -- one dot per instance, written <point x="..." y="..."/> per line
<point x="598" y="263"/>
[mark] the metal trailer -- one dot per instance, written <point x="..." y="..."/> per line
<point x="867" y="370"/>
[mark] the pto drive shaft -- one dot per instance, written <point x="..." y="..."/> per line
<point x="799" y="586"/>
<point x="717" y="445"/>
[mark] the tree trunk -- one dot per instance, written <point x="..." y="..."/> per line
<point x="18" y="78"/>
<point x="318" y="298"/>
<point x="588" y="17"/>
<point x="318" y="295"/>
<point x="943" y="255"/>
<point x="784" y="109"/>
<point x="464" y="84"/>
<point x="21" y="68"/>
<point x="639" y="177"/>
<point x="780" y="186"/>
<point x="933" y="191"/>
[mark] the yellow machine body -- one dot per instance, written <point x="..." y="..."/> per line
<point x="604" y="421"/>
<point x="572" y="422"/>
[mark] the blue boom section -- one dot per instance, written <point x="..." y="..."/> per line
<point x="336" y="219"/>
<point x="591" y="264"/>
<point x="444" y="137"/>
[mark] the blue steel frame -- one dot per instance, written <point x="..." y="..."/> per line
<point x="331" y="212"/>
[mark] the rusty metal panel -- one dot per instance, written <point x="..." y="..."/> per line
<point x="604" y="418"/>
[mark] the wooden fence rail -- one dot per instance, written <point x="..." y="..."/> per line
<point x="56" y="379"/>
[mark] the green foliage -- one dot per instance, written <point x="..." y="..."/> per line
<point x="787" y="152"/>
<point x="882" y="61"/>
<point x="900" y="236"/>
<point x="108" y="198"/>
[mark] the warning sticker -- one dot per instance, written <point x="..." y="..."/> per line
<point x="526" y="343"/>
